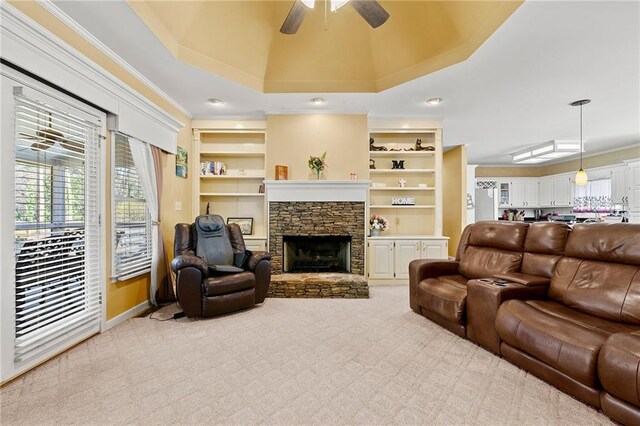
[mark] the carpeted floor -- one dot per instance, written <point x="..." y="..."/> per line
<point x="289" y="361"/>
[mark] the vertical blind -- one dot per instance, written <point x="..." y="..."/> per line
<point x="132" y="223"/>
<point x="57" y="212"/>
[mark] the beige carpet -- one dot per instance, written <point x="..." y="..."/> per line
<point x="289" y="361"/>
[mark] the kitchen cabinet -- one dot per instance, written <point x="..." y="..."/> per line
<point x="619" y="188"/>
<point x="504" y="193"/>
<point x="389" y="258"/>
<point x="633" y="181"/>
<point x="524" y="193"/>
<point x="556" y="191"/>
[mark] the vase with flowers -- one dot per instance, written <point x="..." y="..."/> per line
<point x="377" y="224"/>
<point x="317" y="164"/>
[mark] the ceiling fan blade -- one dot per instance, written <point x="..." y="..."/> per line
<point x="294" y="18"/>
<point x="371" y="11"/>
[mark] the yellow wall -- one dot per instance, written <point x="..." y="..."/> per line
<point x="454" y="195"/>
<point x="598" y="160"/>
<point x="123" y="296"/>
<point x="293" y="138"/>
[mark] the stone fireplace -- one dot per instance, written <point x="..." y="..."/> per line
<point x="317" y="237"/>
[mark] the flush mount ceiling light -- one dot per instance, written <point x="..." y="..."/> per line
<point x="370" y="10"/>
<point x="546" y="151"/>
<point x="317" y="101"/>
<point x="581" y="175"/>
<point x="215" y="101"/>
<point x="434" y="101"/>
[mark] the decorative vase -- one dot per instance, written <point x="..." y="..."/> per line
<point x="375" y="232"/>
<point x="318" y="172"/>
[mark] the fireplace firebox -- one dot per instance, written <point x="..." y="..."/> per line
<point x="317" y="254"/>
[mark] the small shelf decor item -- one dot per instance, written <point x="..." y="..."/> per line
<point x="403" y="201"/>
<point x="397" y="164"/>
<point x="377" y="224"/>
<point x="245" y="224"/>
<point x="317" y="164"/>
<point x="282" y="172"/>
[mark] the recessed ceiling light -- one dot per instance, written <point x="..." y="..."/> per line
<point x="317" y="101"/>
<point x="215" y="101"/>
<point x="434" y="101"/>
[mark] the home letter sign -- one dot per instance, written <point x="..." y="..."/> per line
<point x="403" y="201"/>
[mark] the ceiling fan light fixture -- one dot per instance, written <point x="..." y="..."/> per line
<point x="434" y="101"/>
<point x="317" y="101"/>
<point x="309" y="3"/>
<point x="215" y="101"/>
<point x="337" y="4"/>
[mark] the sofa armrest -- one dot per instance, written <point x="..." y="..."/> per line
<point x="524" y="279"/>
<point x="255" y="258"/>
<point x="189" y="290"/>
<point x="420" y="269"/>
<point x="484" y="299"/>
<point x="187" y="260"/>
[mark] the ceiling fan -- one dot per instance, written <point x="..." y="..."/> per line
<point x="370" y="10"/>
<point x="46" y="138"/>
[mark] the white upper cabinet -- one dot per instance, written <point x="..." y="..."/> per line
<point x="633" y="182"/>
<point x="562" y="191"/>
<point x="619" y="190"/>
<point x="519" y="192"/>
<point x="546" y="192"/>
<point x="532" y="192"/>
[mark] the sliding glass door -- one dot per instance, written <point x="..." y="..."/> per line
<point x="54" y="295"/>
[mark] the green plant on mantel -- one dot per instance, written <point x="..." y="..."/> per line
<point x="317" y="164"/>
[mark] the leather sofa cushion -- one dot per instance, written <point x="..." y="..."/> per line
<point x="225" y="284"/>
<point x="454" y="279"/>
<point x="539" y="264"/>
<point x="618" y="366"/>
<point x="464" y="242"/>
<point x="547" y="238"/>
<point x="502" y="235"/>
<point x="566" y="340"/>
<point x="484" y="262"/>
<point x="445" y="298"/>
<point x="607" y="290"/>
<point x="606" y="242"/>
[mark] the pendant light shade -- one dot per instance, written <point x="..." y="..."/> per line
<point x="581" y="175"/>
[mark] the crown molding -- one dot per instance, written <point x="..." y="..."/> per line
<point x="82" y="32"/>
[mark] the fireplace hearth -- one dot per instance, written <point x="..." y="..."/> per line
<point x="317" y="253"/>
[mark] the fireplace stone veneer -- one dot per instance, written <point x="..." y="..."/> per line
<point x="321" y="218"/>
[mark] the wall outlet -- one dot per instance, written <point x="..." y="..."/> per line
<point x="178" y="205"/>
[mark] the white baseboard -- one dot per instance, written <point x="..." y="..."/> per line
<point x="126" y="315"/>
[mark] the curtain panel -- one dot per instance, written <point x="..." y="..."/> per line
<point x="594" y="197"/>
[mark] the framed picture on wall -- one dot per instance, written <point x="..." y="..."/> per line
<point x="182" y="161"/>
<point x="245" y="224"/>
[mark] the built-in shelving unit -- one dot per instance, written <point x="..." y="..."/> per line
<point x="236" y="193"/>
<point x="420" y="177"/>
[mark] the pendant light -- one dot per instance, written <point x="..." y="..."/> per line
<point x="581" y="175"/>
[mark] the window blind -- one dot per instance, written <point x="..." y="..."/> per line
<point x="132" y="223"/>
<point x="57" y="240"/>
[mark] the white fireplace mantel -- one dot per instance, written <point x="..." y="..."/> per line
<point x="316" y="190"/>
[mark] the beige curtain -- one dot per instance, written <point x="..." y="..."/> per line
<point x="164" y="293"/>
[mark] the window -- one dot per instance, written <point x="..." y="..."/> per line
<point x="56" y="224"/>
<point x="594" y="197"/>
<point x="131" y="252"/>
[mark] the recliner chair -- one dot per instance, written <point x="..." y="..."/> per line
<point x="215" y="274"/>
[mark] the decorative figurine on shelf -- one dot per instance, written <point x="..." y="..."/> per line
<point x="402" y="183"/>
<point x="372" y="164"/>
<point x="208" y="208"/>
<point x="375" y="148"/>
<point x="397" y="164"/>
<point x="419" y="146"/>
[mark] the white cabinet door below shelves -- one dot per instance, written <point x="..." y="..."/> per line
<point x="434" y="249"/>
<point x="380" y="259"/>
<point x="256" y="245"/>
<point x="405" y="252"/>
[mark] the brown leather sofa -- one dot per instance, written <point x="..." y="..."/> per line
<point x="570" y="337"/>
<point x="619" y="373"/>
<point x="438" y="288"/>
<point x="203" y="292"/>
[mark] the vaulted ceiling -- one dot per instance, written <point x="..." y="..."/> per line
<point x="332" y="52"/>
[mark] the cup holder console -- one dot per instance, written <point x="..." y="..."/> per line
<point x="496" y="282"/>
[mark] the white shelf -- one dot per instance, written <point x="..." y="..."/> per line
<point x="403" y="153"/>
<point x="406" y="188"/>
<point x="402" y="171"/>
<point x="231" y="177"/>
<point x="231" y="154"/>
<point x="391" y="206"/>
<point x="254" y="237"/>
<point x="230" y="194"/>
